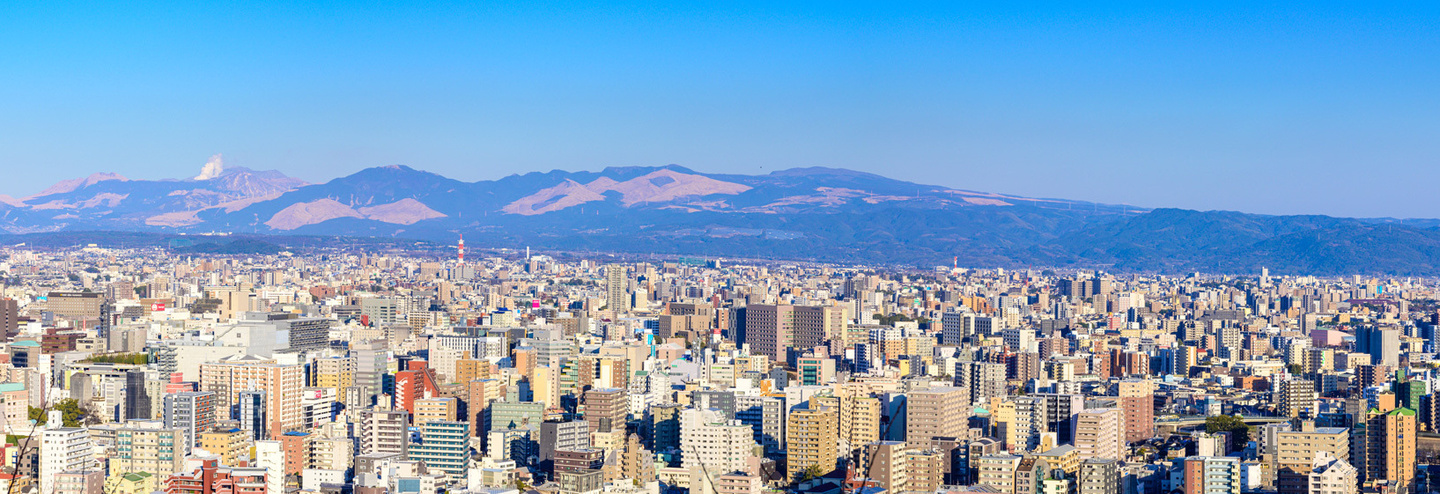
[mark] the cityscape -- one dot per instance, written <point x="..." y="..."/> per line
<point x="488" y="371"/>
<point x="637" y="247"/>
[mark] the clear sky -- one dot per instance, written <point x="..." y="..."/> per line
<point x="1332" y="109"/>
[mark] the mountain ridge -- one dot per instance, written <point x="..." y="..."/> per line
<point x="820" y="213"/>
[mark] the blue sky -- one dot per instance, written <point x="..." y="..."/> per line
<point x="1270" y="108"/>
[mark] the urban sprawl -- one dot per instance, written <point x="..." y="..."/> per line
<point x="353" y="372"/>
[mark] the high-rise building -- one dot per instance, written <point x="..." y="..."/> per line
<point x="74" y="305"/>
<point x="936" y="412"/>
<point x="606" y="409"/>
<point x="859" y="418"/>
<point x="444" y="446"/>
<point x="442" y="409"/>
<point x="812" y="442"/>
<point x="721" y="446"/>
<point x="636" y="462"/>
<point x="1138" y="403"/>
<point x="231" y="445"/>
<point x="1295" y="454"/>
<point x="997" y="471"/>
<point x="62" y="449"/>
<point x="137" y="400"/>
<point x="281" y="385"/>
<point x="380" y="311"/>
<point x="617" y="284"/>
<point x="925" y="468"/>
<point x="1097" y="434"/>
<point x="1383" y="345"/>
<point x="9" y="316"/>
<point x="417" y="381"/>
<point x="370" y="368"/>
<point x="1020" y="421"/>
<point x="507" y="414"/>
<point x="250" y="411"/>
<point x="1061" y="413"/>
<point x="884" y="463"/>
<point x="270" y="456"/>
<point x="664" y="427"/>
<point x="983" y="380"/>
<point x="773" y="329"/>
<point x="156" y="451"/>
<point x="557" y="435"/>
<point x="336" y="373"/>
<point x="384" y="431"/>
<point x="1295" y="398"/>
<point x="766" y="415"/>
<point x="1387" y="455"/>
<point x="190" y="411"/>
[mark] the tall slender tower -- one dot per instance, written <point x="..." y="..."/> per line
<point x="460" y="248"/>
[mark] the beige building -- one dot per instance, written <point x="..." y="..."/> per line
<point x="1295" y="398"/>
<point x="812" y="439"/>
<point x="148" y="450"/>
<point x="336" y="373"/>
<point x="885" y="464"/>
<point x="231" y="446"/>
<point x="1296" y="452"/>
<point x="998" y="471"/>
<point x="1097" y="434"/>
<point x="859" y="419"/>
<point x="707" y="440"/>
<point x="281" y="383"/>
<point x="436" y="409"/>
<point x="937" y="412"/>
<point x="74" y="305"/>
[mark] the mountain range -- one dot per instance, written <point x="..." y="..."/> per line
<point x="822" y="214"/>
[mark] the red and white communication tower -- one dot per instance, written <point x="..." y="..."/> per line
<point x="460" y="248"/>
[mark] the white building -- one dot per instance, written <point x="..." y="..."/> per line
<point x="270" y="455"/>
<point x="707" y="438"/>
<point x="1331" y="475"/>
<point x="63" y="449"/>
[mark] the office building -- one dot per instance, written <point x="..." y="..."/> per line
<point x="771" y="330"/>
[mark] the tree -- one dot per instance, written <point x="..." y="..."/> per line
<point x="1239" y="431"/>
<point x="72" y="414"/>
<point x="811" y="472"/>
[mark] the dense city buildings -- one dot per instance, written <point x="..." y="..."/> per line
<point x="346" y="370"/>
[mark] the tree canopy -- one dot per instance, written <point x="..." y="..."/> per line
<point x="72" y="414"/>
<point x="1239" y="431"/>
